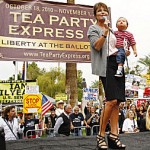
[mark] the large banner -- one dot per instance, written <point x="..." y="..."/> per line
<point x="44" y="31"/>
<point x="11" y="92"/>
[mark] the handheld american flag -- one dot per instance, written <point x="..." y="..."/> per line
<point x="46" y="105"/>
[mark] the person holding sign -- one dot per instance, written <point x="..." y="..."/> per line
<point x="29" y="124"/>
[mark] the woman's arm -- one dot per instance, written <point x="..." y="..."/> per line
<point x="99" y="43"/>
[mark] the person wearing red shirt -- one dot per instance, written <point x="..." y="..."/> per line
<point x="125" y="39"/>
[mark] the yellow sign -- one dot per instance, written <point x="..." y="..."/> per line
<point x="12" y="91"/>
<point x="61" y="96"/>
<point x="32" y="103"/>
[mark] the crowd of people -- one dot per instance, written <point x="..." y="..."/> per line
<point x="133" y="118"/>
<point x="108" y="53"/>
<point x="71" y="121"/>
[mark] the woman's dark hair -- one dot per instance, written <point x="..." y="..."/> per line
<point x="7" y="110"/>
<point x="143" y="108"/>
<point x="98" y="5"/>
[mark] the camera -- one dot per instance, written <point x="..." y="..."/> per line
<point x="96" y="115"/>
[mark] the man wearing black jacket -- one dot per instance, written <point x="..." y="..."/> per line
<point x="63" y="125"/>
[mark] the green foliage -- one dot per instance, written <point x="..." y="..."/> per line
<point x="146" y="62"/>
<point x="34" y="71"/>
<point x="79" y="81"/>
<point x="79" y="78"/>
<point x="136" y="70"/>
<point x="19" y="77"/>
<point x="95" y="84"/>
<point x="52" y="82"/>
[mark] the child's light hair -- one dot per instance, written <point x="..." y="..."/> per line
<point x="127" y="114"/>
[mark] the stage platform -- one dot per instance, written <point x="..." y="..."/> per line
<point x="134" y="141"/>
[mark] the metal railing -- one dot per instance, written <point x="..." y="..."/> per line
<point x="95" y="130"/>
<point x="80" y="131"/>
<point x="76" y="131"/>
<point x="85" y="131"/>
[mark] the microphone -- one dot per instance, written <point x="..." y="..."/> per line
<point x="107" y="23"/>
<point x="106" y="20"/>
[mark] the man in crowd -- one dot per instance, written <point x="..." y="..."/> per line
<point x="50" y="121"/>
<point x="60" y="108"/>
<point x="63" y="125"/>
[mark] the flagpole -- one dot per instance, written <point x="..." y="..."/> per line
<point x="16" y="70"/>
<point x="25" y="71"/>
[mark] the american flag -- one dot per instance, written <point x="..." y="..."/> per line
<point x="46" y="105"/>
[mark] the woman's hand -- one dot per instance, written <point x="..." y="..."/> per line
<point x="106" y="24"/>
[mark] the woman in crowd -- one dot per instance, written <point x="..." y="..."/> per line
<point x="105" y="67"/>
<point x="130" y="124"/>
<point x="77" y="119"/>
<point x="140" y="115"/>
<point x="134" y="109"/>
<point x="93" y="119"/>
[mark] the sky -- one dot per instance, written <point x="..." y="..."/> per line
<point x="137" y="13"/>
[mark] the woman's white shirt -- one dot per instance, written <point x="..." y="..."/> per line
<point x="129" y="125"/>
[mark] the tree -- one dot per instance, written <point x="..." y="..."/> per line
<point x="71" y="78"/>
<point x="146" y="62"/>
<point x="71" y="83"/>
<point x="52" y="82"/>
<point x="19" y="77"/>
<point x="136" y="70"/>
<point x="95" y="84"/>
<point x="34" y="71"/>
<point x="80" y="85"/>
